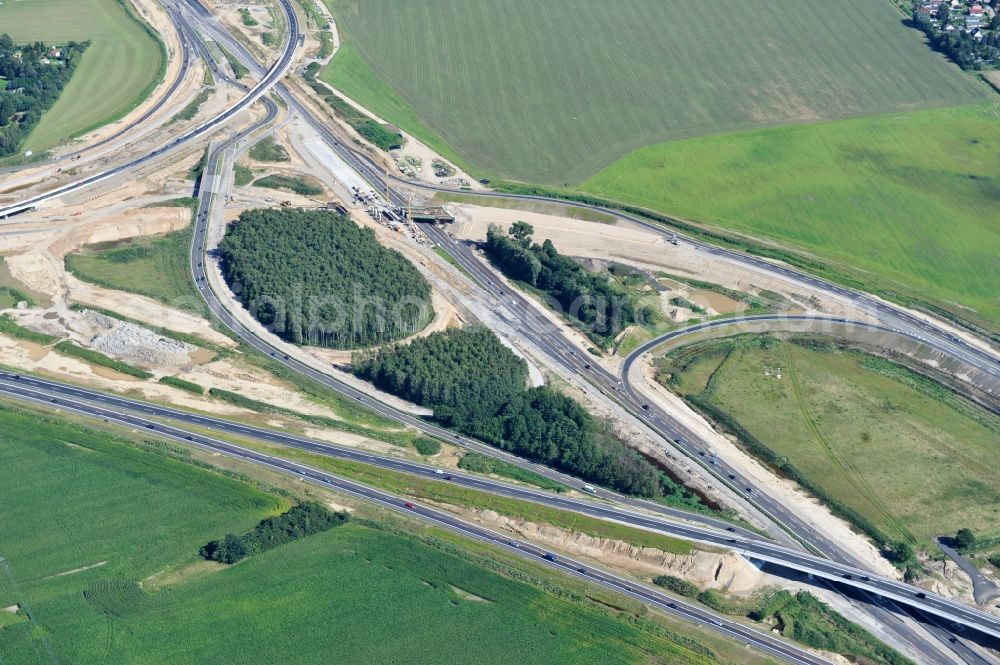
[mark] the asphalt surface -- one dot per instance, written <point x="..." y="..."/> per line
<point x="186" y="59"/>
<point x="551" y="339"/>
<point x="690" y="612"/>
<point x="363" y="165"/>
<point x="273" y="75"/>
<point x="101" y="405"/>
<point x="984" y="589"/>
<point x="374" y="174"/>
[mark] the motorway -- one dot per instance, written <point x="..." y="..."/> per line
<point x="186" y="59"/>
<point x="374" y="175"/>
<point x="273" y="75"/>
<point x="363" y="165"/>
<point x="679" y="608"/>
<point x="96" y="404"/>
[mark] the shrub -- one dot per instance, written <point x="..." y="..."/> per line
<point x="964" y="539"/>
<point x="267" y="150"/>
<point x="182" y="384"/>
<point x="299" y="185"/>
<point x="427" y="446"/>
<point x="677" y="585"/>
<point x="10" y="328"/>
<point x="96" y="358"/>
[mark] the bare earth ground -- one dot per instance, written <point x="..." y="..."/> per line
<point x="626" y="243"/>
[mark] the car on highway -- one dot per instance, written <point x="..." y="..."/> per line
<point x="439" y="472"/>
<point x="549" y="556"/>
<point x="410" y="505"/>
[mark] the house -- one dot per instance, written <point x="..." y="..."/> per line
<point x="54" y="52"/>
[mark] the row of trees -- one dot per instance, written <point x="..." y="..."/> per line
<point x="315" y="277"/>
<point x="603" y="309"/>
<point x="299" y="521"/>
<point x="375" y="132"/>
<point x="477" y="386"/>
<point x="32" y="86"/>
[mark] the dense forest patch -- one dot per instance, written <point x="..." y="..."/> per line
<point x="315" y="277"/>
<point x="34" y="75"/>
<point x="478" y="386"/>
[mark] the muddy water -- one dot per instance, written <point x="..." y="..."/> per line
<point x="35" y="351"/>
<point x="202" y="356"/>
<point x="718" y="302"/>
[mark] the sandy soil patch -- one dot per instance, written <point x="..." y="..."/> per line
<point x="628" y="244"/>
<point x="715" y="570"/>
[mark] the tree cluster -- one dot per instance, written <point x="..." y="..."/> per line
<point x="299" y="521"/>
<point x="315" y="277"/>
<point x="476" y="385"/>
<point x="602" y="308"/>
<point x="33" y="84"/>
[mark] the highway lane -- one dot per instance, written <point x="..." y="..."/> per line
<point x="199" y="267"/>
<point x="890" y="315"/>
<point x="363" y="165"/>
<point x="186" y="59"/>
<point x="373" y="176"/>
<point x="273" y="75"/>
<point x="676" y="607"/>
<point x="551" y="338"/>
<point x="372" y="171"/>
<point x="121" y="410"/>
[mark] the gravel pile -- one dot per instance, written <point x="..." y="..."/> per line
<point x="126" y="340"/>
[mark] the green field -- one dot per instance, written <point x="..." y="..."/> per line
<point x="120" y="68"/>
<point x="910" y="199"/>
<point x="905" y="453"/>
<point x="75" y="499"/>
<point x="551" y="92"/>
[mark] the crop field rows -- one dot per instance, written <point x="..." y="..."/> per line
<point x="119" y="68"/>
<point x="551" y="92"/>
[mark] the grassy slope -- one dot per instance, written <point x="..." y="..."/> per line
<point x="71" y="499"/>
<point x="120" y="67"/>
<point x="551" y="92"/>
<point x="908" y="462"/>
<point x="162" y="271"/>
<point x="910" y="198"/>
